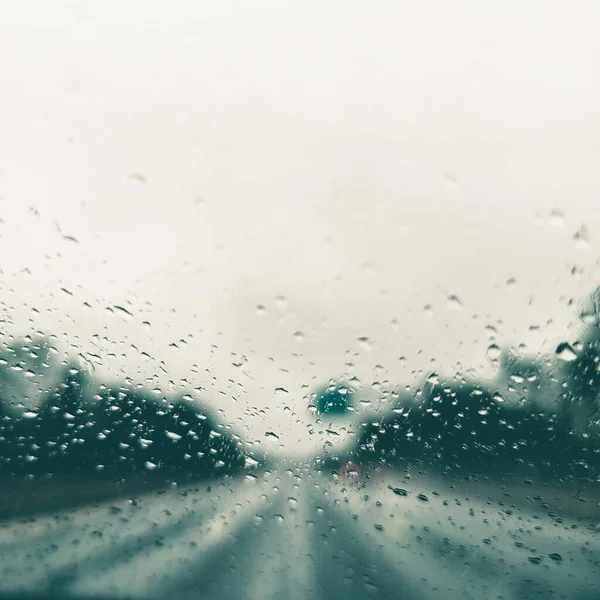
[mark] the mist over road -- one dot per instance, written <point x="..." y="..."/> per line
<point x="298" y="533"/>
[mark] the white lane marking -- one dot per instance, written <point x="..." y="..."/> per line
<point x="496" y="554"/>
<point x="31" y="566"/>
<point x="68" y="519"/>
<point x="149" y="570"/>
<point x="391" y="531"/>
<point x="282" y="565"/>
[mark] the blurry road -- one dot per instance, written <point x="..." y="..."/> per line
<point x="299" y="534"/>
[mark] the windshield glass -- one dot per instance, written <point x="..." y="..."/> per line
<point x="299" y="300"/>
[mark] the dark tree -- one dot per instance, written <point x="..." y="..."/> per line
<point x="335" y="399"/>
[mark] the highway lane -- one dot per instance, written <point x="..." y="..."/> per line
<point x="297" y="533"/>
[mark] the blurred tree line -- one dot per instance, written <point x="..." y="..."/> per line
<point x="115" y="432"/>
<point x="540" y="415"/>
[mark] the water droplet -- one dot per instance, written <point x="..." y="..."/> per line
<point x="146" y="325"/>
<point x="581" y="238"/>
<point x="423" y="498"/>
<point x="173" y="436"/>
<point x="557" y="219"/>
<point x="588" y="318"/>
<point x="150" y="465"/>
<point x="298" y="336"/>
<point x="400" y="491"/>
<point x="271" y="434"/>
<point x="30" y="415"/>
<point x="260" y="310"/>
<point x="364" y="343"/>
<point x="292" y="503"/>
<point x="565" y="352"/>
<point x="123" y="311"/>
<point x="511" y="283"/>
<point x="250" y="462"/>
<point x="577" y="272"/>
<point x="450" y="181"/>
<point x="493" y="352"/>
<point x="454" y="301"/>
<point x="555" y="556"/>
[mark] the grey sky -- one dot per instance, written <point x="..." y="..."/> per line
<point x="360" y="161"/>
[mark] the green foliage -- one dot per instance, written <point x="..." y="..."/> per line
<point x="118" y="432"/>
<point x="336" y="399"/>
<point x="461" y="427"/>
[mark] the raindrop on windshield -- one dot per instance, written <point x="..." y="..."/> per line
<point x="565" y="352"/>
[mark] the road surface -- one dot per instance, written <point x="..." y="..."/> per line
<point x="296" y="534"/>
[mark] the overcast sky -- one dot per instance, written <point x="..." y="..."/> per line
<point x="343" y="165"/>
